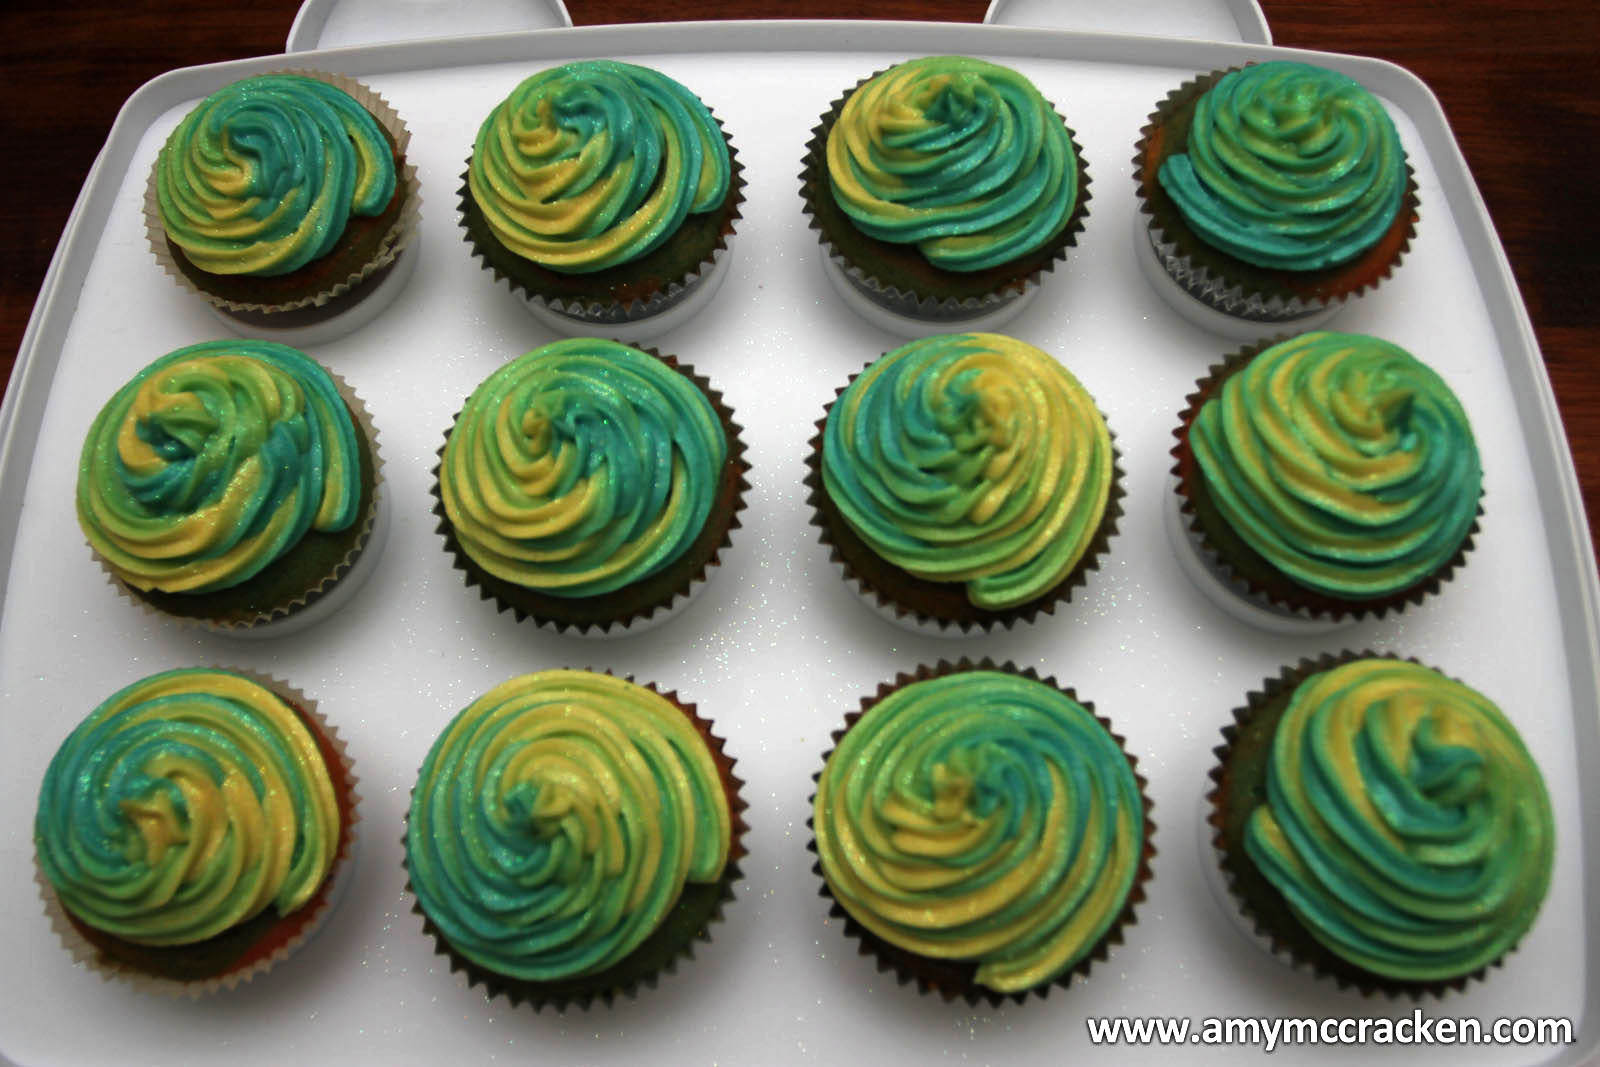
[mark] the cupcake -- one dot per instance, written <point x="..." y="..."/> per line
<point x="964" y="481"/>
<point x="1382" y="824"/>
<point x="981" y="832"/>
<point x="231" y="484"/>
<point x="589" y="485"/>
<point x="605" y="194"/>
<point x="285" y="200"/>
<point x="1273" y="192"/>
<point x="942" y="188"/>
<point x="191" y="830"/>
<point x="571" y="835"/>
<point x="1328" y="475"/>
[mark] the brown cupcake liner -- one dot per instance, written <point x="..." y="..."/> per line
<point x="1247" y="739"/>
<point x="333" y="298"/>
<point x="1238" y="566"/>
<point x="951" y="979"/>
<point x="980" y="292"/>
<point x="699" y="907"/>
<point x="641" y="605"/>
<point x="627" y="293"/>
<point x="230" y="611"/>
<point x="1224" y="282"/>
<point x="256" y="946"/>
<point x="938" y="608"/>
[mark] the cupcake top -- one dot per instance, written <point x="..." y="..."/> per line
<point x="1405" y="823"/>
<point x="1288" y="166"/>
<point x="960" y="157"/>
<point x="595" y="164"/>
<point x="556" y="820"/>
<point x="1343" y="461"/>
<point x="582" y="467"/>
<point x="981" y="816"/>
<point x="185" y="805"/>
<point x="970" y="458"/>
<point x="261" y="178"/>
<point x="213" y="462"/>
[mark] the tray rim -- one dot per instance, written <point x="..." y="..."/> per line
<point x="1567" y="536"/>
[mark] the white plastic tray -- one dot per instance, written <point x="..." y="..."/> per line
<point x="777" y="649"/>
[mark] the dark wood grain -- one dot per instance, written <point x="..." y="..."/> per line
<point x="1515" y="81"/>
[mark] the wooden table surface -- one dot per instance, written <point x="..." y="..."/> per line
<point x="1515" y="80"/>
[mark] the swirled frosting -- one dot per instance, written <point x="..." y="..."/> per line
<point x="185" y="805"/>
<point x="1343" y="461"/>
<point x="1288" y="166"/>
<point x="1405" y="822"/>
<point x="962" y="158"/>
<point x="261" y="178"/>
<point x="581" y="467"/>
<point x="984" y="817"/>
<point x="595" y="164"/>
<point x="214" y="461"/>
<point x="971" y="458"/>
<point x="555" y="822"/>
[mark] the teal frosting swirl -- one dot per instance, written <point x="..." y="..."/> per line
<point x="261" y="178"/>
<point x="556" y="820"/>
<point x="1288" y="166"/>
<point x="184" y="805"/>
<point x="596" y="164"/>
<point x="213" y="462"/>
<point x="971" y="458"/>
<point x="1405" y="822"/>
<point x="984" y="817"/>
<point x="582" y="467"/>
<point x="960" y="157"/>
<point x="1343" y="461"/>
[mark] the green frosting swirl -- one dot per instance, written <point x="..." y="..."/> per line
<point x="214" y="461"/>
<point x="596" y="164"/>
<point x="983" y="817"/>
<point x="1289" y="166"/>
<point x="962" y="158"/>
<point x="1343" y="461"/>
<point x="261" y="178"/>
<point x="555" y="822"/>
<point x="1405" y="822"/>
<point x="970" y="458"/>
<point x="582" y="467"/>
<point x="183" y="806"/>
